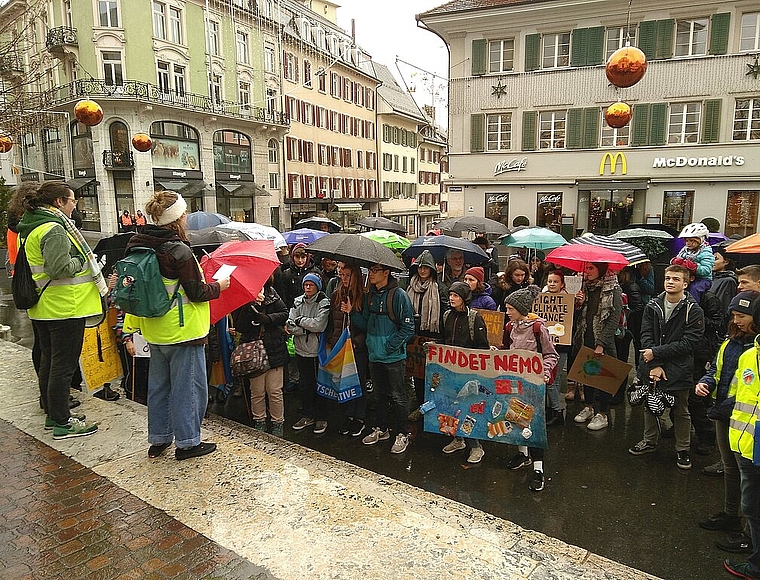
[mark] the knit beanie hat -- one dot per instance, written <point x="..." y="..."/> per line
<point x="745" y="303"/>
<point x="522" y="300"/>
<point x="312" y="277"/>
<point x="463" y="290"/>
<point x="300" y="248"/>
<point x="477" y="273"/>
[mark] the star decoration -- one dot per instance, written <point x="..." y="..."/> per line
<point x="754" y="69"/>
<point x="500" y="90"/>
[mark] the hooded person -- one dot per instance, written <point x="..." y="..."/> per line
<point x="300" y="265"/>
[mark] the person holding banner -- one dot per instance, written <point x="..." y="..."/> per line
<point x="597" y="314"/>
<point x="464" y="327"/>
<point x="520" y="333"/>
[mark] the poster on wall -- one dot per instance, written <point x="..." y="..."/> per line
<point x="494" y="395"/>
<point x="557" y="310"/>
<point x="99" y="361"/>
<point x="175" y="154"/>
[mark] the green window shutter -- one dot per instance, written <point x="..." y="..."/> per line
<point x="590" y="128"/>
<point x="574" y="128"/>
<point x="719" y="27"/>
<point x="477" y="132"/>
<point x="658" y="124"/>
<point x="532" y="52"/>
<point x="386" y="133"/>
<point x="530" y="119"/>
<point x="479" y="57"/>
<point x="595" y="49"/>
<point x="579" y="47"/>
<point x="640" y="125"/>
<point x="711" y="125"/>
<point x="648" y="38"/>
<point x="664" y="47"/>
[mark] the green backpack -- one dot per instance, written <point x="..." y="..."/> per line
<point x="140" y="289"/>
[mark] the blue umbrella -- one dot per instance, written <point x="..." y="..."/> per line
<point x="199" y="220"/>
<point x="439" y="245"/>
<point x="303" y="236"/>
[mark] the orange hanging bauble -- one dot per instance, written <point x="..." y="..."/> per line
<point x="142" y="142"/>
<point x="618" y="115"/>
<point x="626" y="66"/>
<point x="88" y="112"/>
<point x="6" y="144"/>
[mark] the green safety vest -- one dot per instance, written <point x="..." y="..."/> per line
<point x="64" y="298"/>
<point x="167" y="329"/>
<point x="741" y="428"/>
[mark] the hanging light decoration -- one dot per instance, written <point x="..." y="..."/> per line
<point x="88" y="112"/>
<point x="142" y="142"/>
<point x="6" y="144"/>
<point x="626" y="66"/>
<point x="618" y="115"/>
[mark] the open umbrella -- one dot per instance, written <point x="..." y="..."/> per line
<point x="389" y="239"/>
<point x="355" y="249"/>
<point x="475" y="224"/>
<point x="748" y="245"/>
<point x="258" y="232"/>
<point x="316" y="223"/>
<point x="635" y="233"/>
<point x="576" y="256"/>
<point x="439" y="245"/>
<point x="535" y="238"/>
<point x="381" y="223"/>
<point x="633" y="254"/>
<point x="199" y="220"/>
<point x="303" y="235"/>
<point x="255" y="260"/>
<point x="215" y="236"/>
<point x="112" y="248"/>
<point x="652" y="242"/>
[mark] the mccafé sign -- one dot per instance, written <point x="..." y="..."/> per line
<point x="613" y="159"/>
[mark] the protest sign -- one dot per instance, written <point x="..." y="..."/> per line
<point x="557" y="310"/>
<point x="99" y="361"/>
<point x="600" y="371"/>
<point x="415" y="356"/>
<point x="494" y="325"/>
<point x="573" y="284"/>
<point x="495" y="395"/>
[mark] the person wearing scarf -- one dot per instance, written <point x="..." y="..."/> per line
<point x="71" y="288"/>
<point x="597" y="312"/>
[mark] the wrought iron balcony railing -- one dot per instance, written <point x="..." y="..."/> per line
<point x="118" y="159"/>
<point x="11" y="65"/>
<point x="153" y="94"/>
<point x="58" y="38"/>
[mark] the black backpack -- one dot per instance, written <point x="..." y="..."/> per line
<point x="23" y="286"/>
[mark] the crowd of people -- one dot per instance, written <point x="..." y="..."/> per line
<point x="695" y="343"/>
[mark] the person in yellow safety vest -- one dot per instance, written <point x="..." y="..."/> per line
<point x="70" y="286"/>
<point x="741" y="435"/>
<point x="177" y="389"/>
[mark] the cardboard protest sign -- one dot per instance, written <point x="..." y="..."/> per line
<point x="495" y="322"/>
<point x="557" y="310"/>
<point x="99" y="361"/>
<point x="415" y="356"/>
<point x="496" y="395"/>
<point x="600" y="371"/>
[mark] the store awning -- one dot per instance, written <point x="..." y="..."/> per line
<point x="77" y="184"/>
<point x="187" y="188"/>
<point x="242" y="189"/>
<point x="349" y="207"/>
<point x="591" y="184"/>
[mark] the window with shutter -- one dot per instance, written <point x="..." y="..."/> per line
<point x="532" y="52"/>
<point x="574" y="128"/>
<point x="664" y="48"/>
<point x="590" y="128"/>
<point x="719" y="27"/>
<point x="530" y="119"/>
<point x="711" y="126"/>
<point x="479" y="57"/>
<point x="640" y="124"/>
<point x="579" y="49"/>
<point x="658" y="124"/>
<point x="477" y="132"/>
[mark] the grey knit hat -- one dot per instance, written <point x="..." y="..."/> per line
<point x="522" y="300"/>
<point x="463" y="290"/>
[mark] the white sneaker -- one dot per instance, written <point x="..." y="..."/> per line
<point x="457" y="444"/>
<point x="376" y="435"/>
<point x="598" y="423"/>
<point x="401" y="443"/>
<point x="476" y="454"/>
<point x="585" y="414"/>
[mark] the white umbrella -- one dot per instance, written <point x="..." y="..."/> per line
<point x="258" y="232"/>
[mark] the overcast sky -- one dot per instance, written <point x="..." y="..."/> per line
<point x="388" y="29"/>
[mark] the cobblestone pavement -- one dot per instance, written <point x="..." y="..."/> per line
<point x="59" y="519"/>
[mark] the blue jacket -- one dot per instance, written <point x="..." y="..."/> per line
<point x="704" y="258"/>
<point x="386" y="340"/>
<point x="484" y="300"/>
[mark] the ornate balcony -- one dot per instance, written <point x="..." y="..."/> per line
<point x="61" y="38"/>
<point x="11" y="65"/>
<point x="118" y="160"/>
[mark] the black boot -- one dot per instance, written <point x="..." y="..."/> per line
<point x="554" y="417"/>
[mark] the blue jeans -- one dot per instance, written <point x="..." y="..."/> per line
<point x="750" y="474"/>
<point x="177" y="394"/>
<point x="388" y="379"/>
<point x="552" y="391"/>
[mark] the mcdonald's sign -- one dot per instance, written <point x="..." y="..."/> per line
<point x="613" y="158"/>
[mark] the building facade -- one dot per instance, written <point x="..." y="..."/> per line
<point x="528" y="92"/>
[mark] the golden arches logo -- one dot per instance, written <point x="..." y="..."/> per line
<point x="613" y="158"/>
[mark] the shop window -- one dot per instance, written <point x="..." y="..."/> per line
<point x="677" y="209"/>
<point x="549" y="210"/>
<point x="497" y="207"/>
<point x="741" y="212"/>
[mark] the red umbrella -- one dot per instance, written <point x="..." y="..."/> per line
<point x="255" y="260"/>
<point x="576" y="256"/>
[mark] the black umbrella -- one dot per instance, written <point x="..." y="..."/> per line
<point x="381" y="223"/>
<point x="215" y="236"/>
<point x="439" y="245"/>
<point x="113" y="249"/>
<point x="475" y="224"/>
<point x="316" y="223"/>
<point x="356" y="249"/>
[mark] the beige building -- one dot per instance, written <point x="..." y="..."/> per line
<point x="527" y="96"/>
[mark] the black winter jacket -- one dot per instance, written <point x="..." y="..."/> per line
<point x="673" y="343"/>
<point x="456" y="330"/>
<point x="272" y="315"/>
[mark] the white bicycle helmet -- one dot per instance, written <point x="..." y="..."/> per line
<point x="695" y="230"/>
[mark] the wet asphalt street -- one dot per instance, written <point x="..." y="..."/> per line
<point x="641" y="511"/>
